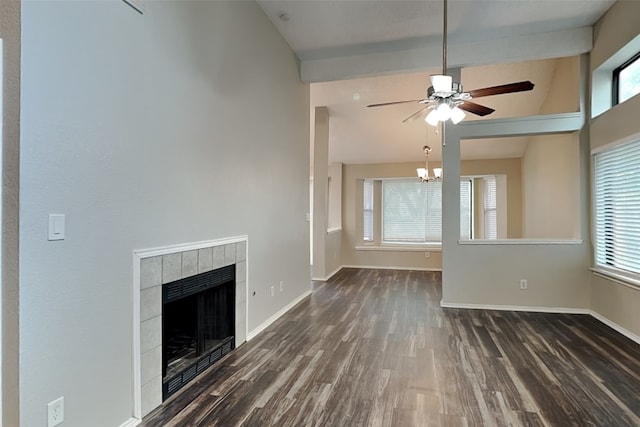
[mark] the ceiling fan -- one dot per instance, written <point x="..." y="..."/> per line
<point x="447" y="100"/>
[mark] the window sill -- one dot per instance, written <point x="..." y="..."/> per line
<point x="522" y="242"/>
<point x="629" y="280"/>
<point x="400" y="248"/>
<point x="334" y="230"/>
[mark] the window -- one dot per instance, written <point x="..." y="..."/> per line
<point x="368" y="211"/>
<point x="617" y="210"/>
<point x="626" y="80"/>
<point x="466" y="206"/>
<point x="490" y="208"/>
<point x="412" y="210"/>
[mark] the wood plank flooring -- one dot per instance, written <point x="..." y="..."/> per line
<point x="374" y="348"/>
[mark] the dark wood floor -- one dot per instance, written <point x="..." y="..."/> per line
<point x="374" y="348"/>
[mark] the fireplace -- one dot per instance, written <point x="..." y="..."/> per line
<point x="198" y="325"/>
<point x="186" y="265"/>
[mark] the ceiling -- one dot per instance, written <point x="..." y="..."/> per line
<point x="361" y="52"/>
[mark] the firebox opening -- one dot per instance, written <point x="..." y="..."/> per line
<point x="198" y="325"/>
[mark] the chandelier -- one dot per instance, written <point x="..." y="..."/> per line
<point x="423" y="173"/>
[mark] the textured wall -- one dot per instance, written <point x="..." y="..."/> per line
<point x="186" y="123"/>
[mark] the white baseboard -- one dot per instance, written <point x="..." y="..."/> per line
<point x="131" y="422"/>
<point x="374" y="267"/>
<point x="385" y="267"/>
<point x="277" y="315"/>
<point x="559" y="310"/>
<point x="329" y="276"/>
<point x="615" y="326"/>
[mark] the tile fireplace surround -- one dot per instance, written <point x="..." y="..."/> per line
<point x="152" y="269"/>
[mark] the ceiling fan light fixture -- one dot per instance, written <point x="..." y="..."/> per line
<point x="441" y="83"/>
<point x="457" y="115"/>
<point x="432" y="118"/>
<point x="443" y="111"/>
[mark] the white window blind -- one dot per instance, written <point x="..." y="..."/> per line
<point x="411" y="211"/>
<point x="617" y="198"/>
<point x="466" y="202"/>
<point x="368" y="211"/>
<point x="490" y="208"/>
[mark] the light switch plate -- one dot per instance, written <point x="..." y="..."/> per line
<point x="56" y="226"/>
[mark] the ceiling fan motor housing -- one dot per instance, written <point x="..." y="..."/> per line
<point x="456" y="91"/>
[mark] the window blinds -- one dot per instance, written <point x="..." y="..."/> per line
<point x="490" y="211"/>
<point x="368" y="211"/>
<point x="412" y="211"/>
<point x="617" y="210"/>
<point x="466" y="202"/>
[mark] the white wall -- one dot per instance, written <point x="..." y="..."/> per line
<point x="183" y="124"/>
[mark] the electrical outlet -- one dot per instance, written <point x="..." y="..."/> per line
<point x="281" y="286"/>
<point x="273" y="291"/>
<point x="523" y="284"/>
<point x="55" y="412"/>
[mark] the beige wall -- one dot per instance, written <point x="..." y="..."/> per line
<point x="550" y="183"/>
<point x="551" y="176"/>
<point x="10" y="34"/>
<point x="486" y="273"/>
<point x="333" y="253"/>
<point x="619" y="26"/>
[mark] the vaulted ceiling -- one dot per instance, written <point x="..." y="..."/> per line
<point x="360" y="52"/>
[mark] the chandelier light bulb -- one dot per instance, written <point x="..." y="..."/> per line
<point x="437" y="172"/>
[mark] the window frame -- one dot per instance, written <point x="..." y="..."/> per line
<point x="615" y="78"/>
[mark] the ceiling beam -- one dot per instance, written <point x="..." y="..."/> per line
<point x="521" y="126"/>
<point x="383" y="61"/>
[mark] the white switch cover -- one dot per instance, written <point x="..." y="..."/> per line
<point x="56" y="226"/>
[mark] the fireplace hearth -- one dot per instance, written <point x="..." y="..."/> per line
<point x="198" y="325"/>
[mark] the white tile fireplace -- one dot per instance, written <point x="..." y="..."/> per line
<point x="152" y="269"/>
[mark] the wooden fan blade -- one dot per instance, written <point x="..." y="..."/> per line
<point x="396" y="102"/>
<point x="416" y="114"/>
<point x="477" y="109"/>
<point x="499" y="90"/>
